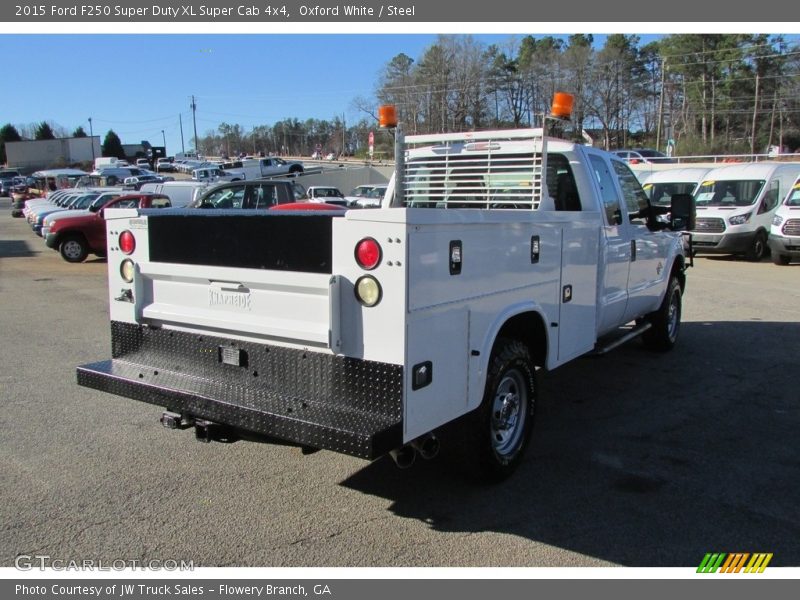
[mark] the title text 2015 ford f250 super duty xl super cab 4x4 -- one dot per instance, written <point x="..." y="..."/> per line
<point x="494" y="254"/>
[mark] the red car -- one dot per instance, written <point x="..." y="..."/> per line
<point x="78" y="237"/>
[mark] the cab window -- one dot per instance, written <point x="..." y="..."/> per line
<point x="160" y="203"/>
<point x="608" y="192"/>
<point x="229" y="197"/>
<point x="635" y="199"/>
<point x="261" y="196"/>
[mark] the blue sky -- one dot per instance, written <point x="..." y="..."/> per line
<point x="138" y="84"/>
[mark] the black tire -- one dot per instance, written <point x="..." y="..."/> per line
<point x="74" y="249"/>
<point x="666" y="321"/>
<point x="758" y="249"/>
<point x="495" y="436"/>
<point x="781" y="259"/>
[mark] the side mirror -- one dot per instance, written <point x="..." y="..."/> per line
<point x="682" y="213"/>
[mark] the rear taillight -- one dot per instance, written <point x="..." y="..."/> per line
<point x="368" y="253"/>
<point x="127" y="243"/>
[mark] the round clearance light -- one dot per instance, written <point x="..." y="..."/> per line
<point x="127" y="243"/>
<point x="368" y="254"/>
<point x="368" y="290"/>
<point x="126" y="270"/>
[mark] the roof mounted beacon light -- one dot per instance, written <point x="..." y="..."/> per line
<point x="387" y="116"/>
<point x="562" y="106"/>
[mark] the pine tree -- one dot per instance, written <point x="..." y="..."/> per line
<point x="112" y="146"/>
<point x="8" y="133"/>
<point x="44" y="132"/>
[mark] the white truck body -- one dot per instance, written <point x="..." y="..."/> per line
<point x="214" y="174"/>
<point x="784" y="233"/>
<point x="736" y="205"/>
<point x="256" y="168"/>
<point x="261" y="321"/>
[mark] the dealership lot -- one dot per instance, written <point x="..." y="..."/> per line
<point x="637" y="459"/>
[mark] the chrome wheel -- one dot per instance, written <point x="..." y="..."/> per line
<point x="509" y="413"/>
<point x="674" y="315"/>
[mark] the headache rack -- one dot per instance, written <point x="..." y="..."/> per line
<point x="492" y="169"/>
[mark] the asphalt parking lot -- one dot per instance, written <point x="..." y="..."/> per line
<point x="638" y="459"/>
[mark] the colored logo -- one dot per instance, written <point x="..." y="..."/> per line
<point x="736" y="562"/>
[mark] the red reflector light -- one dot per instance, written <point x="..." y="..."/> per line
<point x="368" y="253"/>
<point x="127" y="243"/>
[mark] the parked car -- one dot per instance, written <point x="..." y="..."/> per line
<point x="326" y="195"/>
<point x="373" y="198"/>
<point x="213" y="174"/>
<point x="142" y="163"/>
<point x="164" y="165"/>
<point x="250" y="194"/>
<point x="7" y="180"/>
<point x="80" y="201"/>
<point x="96" y="204"/>
<point x="76" y="238"/>
<point x="643" y="155"/>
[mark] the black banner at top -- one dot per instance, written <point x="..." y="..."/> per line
<point x="401" y="11"/>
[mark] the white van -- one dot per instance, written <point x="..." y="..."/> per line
<point x="735" y="206"/>
<point x="784" y="234"/>
<point x="660" y="186"/>
<point x="181" y="193"/>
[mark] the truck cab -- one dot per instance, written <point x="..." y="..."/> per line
<point x="736" y="205"/>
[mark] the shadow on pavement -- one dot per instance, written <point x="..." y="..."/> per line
<point x="641" y="459"/>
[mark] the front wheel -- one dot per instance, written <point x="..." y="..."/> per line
<point x="758" y="248"/>
<point x="74" y="249"/>
<point x="781" y="259"/>
<point x="498" y="432"/>
<point x="666" y="321"/>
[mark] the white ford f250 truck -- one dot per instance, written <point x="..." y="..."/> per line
<point x="493" y="255"/>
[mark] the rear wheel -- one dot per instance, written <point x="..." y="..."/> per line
<point x="498" y="432"/>
<point x="74" y="249"/>
<point x="666" y="321"/>
<point x="758" y="247"/>
<point x="780" y="259"/>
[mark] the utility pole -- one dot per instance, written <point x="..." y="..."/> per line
<point x="755" y="116"/>
<point x="194" y="121"/>
<point x="164" y="137"/>
<point x="180" y="122"/>
<point x="661" y="104"/>
<point x="91" y="137"/>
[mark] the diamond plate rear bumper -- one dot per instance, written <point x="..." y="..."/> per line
<point x="336" y="403"/>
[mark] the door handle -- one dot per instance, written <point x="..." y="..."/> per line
<point x="633" y="250"/>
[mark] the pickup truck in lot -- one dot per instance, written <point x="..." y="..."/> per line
<point x="78" y="237"/>
<point x="494" y="256"/>
<point x="256" y="168"/>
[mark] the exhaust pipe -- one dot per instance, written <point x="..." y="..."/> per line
<point x="427" y="446"/>
<point x="404" y="456"/>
